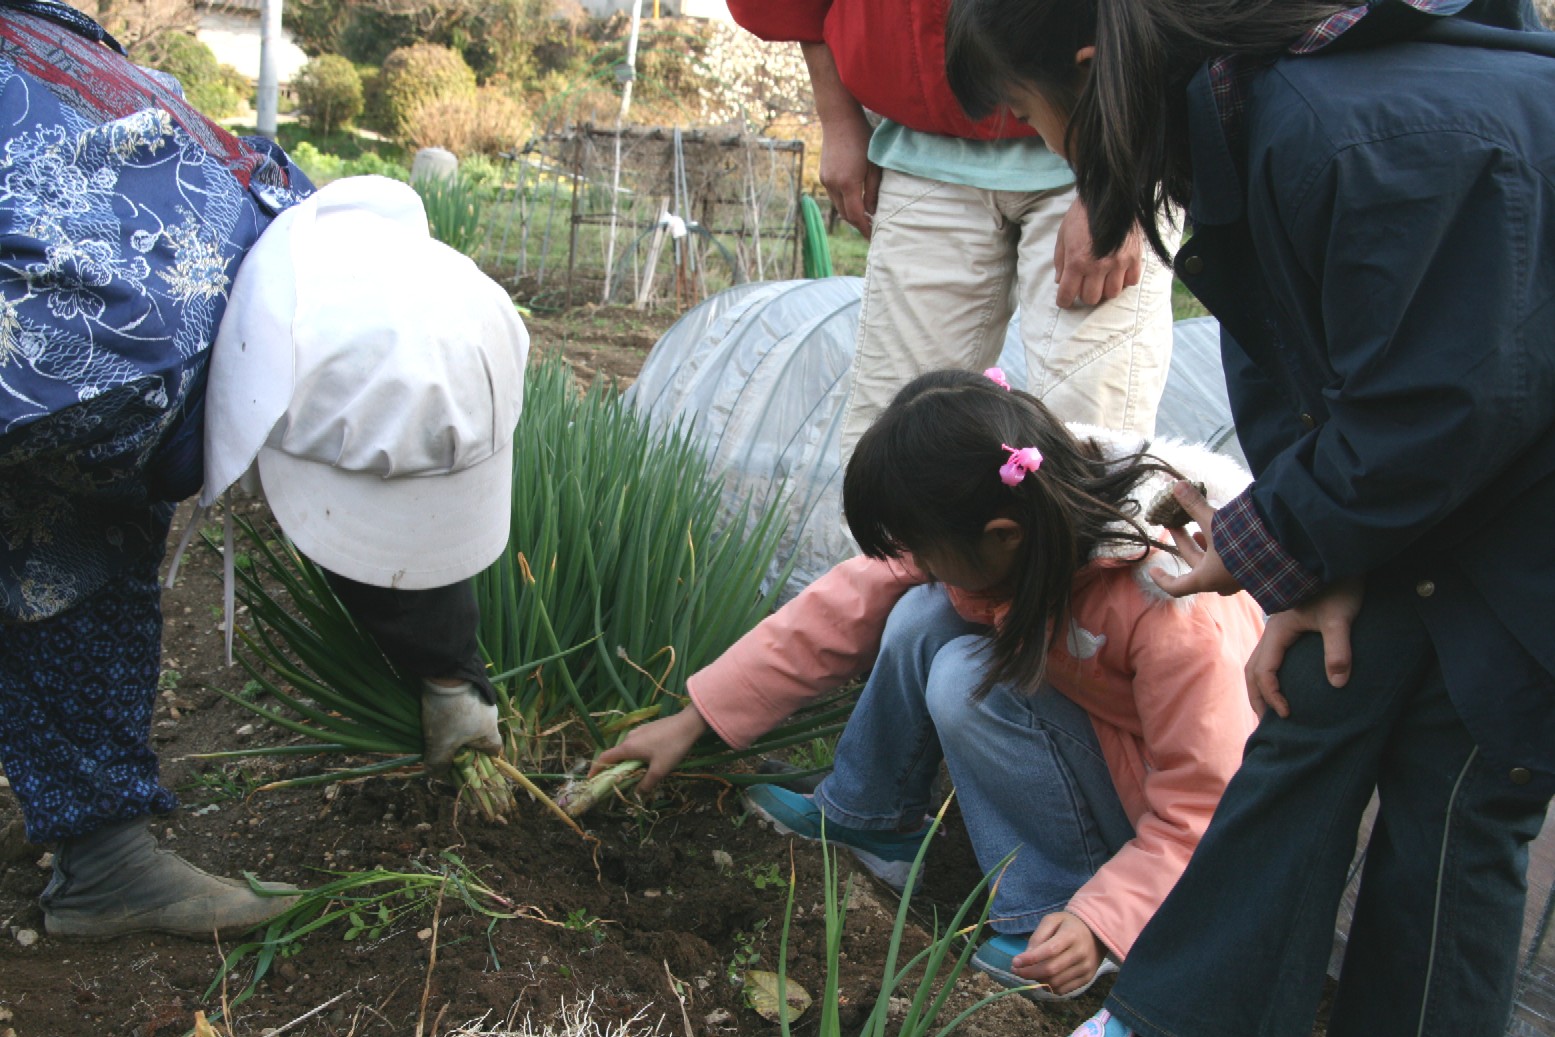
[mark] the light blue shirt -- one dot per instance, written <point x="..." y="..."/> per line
<point x="1021" y="164"/>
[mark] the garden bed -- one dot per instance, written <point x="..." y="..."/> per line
<point x="647" y="927"/>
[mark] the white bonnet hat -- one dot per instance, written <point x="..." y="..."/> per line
<point x="376" y="375"/>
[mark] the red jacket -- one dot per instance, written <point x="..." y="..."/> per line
<point x="890" y="54"/>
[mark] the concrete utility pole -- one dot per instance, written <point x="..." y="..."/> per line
<point x="269" y="57"/>
<point x="626" y="75"/>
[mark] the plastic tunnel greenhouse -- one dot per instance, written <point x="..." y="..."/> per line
<point x="759" y="372"/>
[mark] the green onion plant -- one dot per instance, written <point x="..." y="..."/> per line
<point x="942" y="961"/>
<point x="619" y="581"/>
<point x="453" y="206"/>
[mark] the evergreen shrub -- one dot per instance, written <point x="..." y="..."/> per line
<point x="215" y="89"/>
<point x="410" y="78"/>
<point x="329" y="92"/>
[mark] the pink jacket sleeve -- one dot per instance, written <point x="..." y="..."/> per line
<point x="1187" y="661"/>
<point x="826" y="636"/>
<point x="782" y="21"/>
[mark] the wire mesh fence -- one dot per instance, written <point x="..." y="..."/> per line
<point x="646" y="217"/>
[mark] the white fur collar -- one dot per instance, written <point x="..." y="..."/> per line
<point x="1223" y="479"/>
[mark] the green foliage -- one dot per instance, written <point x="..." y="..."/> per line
<point x="322" y="167"/>
<point x="413" y="76"/>
<point x="453" y="207"/>
<point x="849" y="250"/>
<point x="617" y="585"/>
<point x="217" y="90"/>
<point x="948" y="952"/>
<point x="816" y="756"/>
<point x="1184" y="303"/>
<point x="329" y="89"/>
<point x="619" y="552"/>
<point x="764" y="877"/>
<point x="483" y="172"/>
<point x="519" y="40"/>
<point x="580" y="921"/>
<point x="368" y="903"/>
<point x="747" y="952"/>
<point x="219" y="784"/>
<point x="319" y="26"/>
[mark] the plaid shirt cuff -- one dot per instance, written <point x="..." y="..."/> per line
<point x="1263" y="568"/>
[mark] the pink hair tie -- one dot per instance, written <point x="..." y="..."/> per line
<point x="996" y="375"/>
<point x="1023" y="461"/>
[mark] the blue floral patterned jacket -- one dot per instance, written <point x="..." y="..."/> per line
<point x="124" y="214"/>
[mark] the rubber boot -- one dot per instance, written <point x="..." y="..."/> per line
<point x="117" y="880"/>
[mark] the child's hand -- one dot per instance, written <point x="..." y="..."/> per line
<point x="661" y="744"/>
<point x="1063" y="953"/>
<point x="1209" y="573"/>
<point x="1330" y="614"/>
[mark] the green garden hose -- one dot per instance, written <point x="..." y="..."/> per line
<point x="817" y="247"/>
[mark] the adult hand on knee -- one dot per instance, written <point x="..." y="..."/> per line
<point x="1083" y="277"/>
<point x="1062" y="953"/>
<point x="1330" y="614"/>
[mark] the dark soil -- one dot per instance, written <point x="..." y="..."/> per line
<point x="648" y="924"/>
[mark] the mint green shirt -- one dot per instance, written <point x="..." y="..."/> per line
<point x="1022" y="164"/>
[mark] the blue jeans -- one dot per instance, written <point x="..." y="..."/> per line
<point x="1028" y="771"/>
<point x="1241" y="945"/>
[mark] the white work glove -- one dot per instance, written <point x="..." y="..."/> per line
<point x="455" y="717"/>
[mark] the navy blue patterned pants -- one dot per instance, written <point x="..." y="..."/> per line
<point x="76" y="695"/>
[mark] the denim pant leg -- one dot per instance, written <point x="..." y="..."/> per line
<point x="76" y="698"/>
<point x="1240" y="946"/>
<point x="1029" y="777"/>
<point x="889" y="754"/>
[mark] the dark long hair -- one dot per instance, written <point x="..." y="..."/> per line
<point x="1127" y="140"/>
<point x="926" y="475"/>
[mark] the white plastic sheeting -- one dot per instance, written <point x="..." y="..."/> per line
<point x="761" y="372"/>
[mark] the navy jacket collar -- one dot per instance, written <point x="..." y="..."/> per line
<point x="1217" y="176"/>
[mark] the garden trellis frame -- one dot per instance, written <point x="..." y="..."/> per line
<point x="647" y="216"/>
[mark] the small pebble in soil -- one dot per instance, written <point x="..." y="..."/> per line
<point x="26" y="937"/>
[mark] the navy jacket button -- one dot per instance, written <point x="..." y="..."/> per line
<point x="1425" y="588"/>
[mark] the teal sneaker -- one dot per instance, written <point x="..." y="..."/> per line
<point x="996" y="958"/>
<point x="888" y="856"/>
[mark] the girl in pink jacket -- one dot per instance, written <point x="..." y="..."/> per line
<point x="1007" y="614"/>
